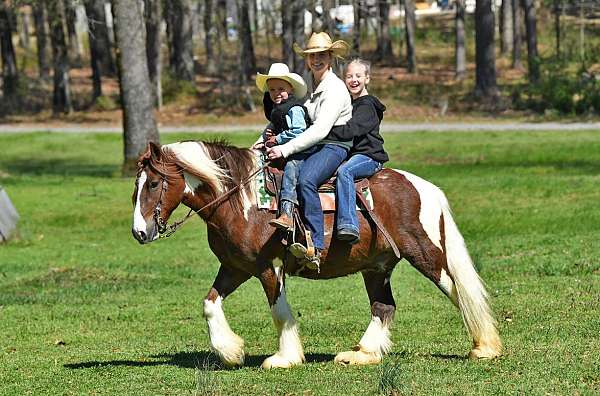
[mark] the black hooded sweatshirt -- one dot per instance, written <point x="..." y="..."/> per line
<point x="367" y="113"/>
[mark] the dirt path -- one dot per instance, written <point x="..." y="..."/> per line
<point x="386" y="127"/>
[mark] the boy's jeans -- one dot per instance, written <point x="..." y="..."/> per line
<point x="290" y="175"/>
<point x="317" y="168"/>
<point x="358" y="166"/>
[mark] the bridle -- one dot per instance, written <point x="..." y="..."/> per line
<point x="166" y="231"/>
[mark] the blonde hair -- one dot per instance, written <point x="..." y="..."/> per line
<point x="359" y="61"/>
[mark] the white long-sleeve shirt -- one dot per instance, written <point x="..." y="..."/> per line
<point x="328" y="106"/>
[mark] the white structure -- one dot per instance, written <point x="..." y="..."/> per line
<point x="8" y="216"/>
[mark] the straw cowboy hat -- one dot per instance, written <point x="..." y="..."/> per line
<point x="282" y="72"/>
<point x="320" y="42"/>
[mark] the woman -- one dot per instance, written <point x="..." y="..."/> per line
<point x="329" y="107"/>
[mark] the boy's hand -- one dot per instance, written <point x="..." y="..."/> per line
<point x="258" y="146"/>
<point x="271" y="141"/>
<point x="269" y="133"/>
<point x="274" y="152"/>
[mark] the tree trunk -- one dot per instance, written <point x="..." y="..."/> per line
<point x="557" y="10"/>
<point x="183" y="48"/>
<point x="507" y="28"/>
<point x="9" y="60"/>
<point x="316" y="22"/>
<point x="244" y="95"/>
<point x="41" y="35"/>
<point x="153" y="19"/>
<point x="24" y="31"/>
<point x="99" y="38"/>
<point x="139" y="126"/>
<point x="209" y="37"/>
<point x="384" y="50"/>
<point x="328" y="22"/>
<point x="485" y="58"/>
<point x="298" y="34"/>
<point x="531" y="31"/>
<point x="517" y="38"/>
<point x="287" y="32"/>
<point x="61" y="97"/>
<point x="410" y="21"/>
<point x="461" y="52"/>
<point x="357" y="4"/>
<point x="245" y="37"/>
<point x="72" y="37"/>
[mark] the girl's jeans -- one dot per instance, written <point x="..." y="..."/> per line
<point x="357" y="167"/>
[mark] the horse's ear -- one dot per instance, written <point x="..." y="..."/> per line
<point x="154" y="149"/>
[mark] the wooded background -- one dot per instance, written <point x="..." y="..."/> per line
<point x="140" y="43"/>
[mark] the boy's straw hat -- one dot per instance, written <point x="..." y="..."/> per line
<point x="282" y="72"/>
<point x="320" y="42"/>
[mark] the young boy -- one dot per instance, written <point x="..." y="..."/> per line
<point x="289" y="118"/>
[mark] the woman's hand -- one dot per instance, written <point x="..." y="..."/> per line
<point x="274" y="153"/>
<point x="258" y="146"/>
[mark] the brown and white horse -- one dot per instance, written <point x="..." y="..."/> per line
<point x="414" y="211"/>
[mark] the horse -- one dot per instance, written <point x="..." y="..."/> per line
<point x="211" y="178"/>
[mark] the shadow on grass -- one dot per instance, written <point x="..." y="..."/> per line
<point x="201" y="360"/>
<point x="61" y="167"/>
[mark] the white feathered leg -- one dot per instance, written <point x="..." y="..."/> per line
<point x="290" y="347"/>
<point x="223" y="341"/>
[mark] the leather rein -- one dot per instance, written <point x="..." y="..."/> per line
<point x="166" y="231"/>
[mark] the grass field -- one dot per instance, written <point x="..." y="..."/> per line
<point x="84" y="309"/>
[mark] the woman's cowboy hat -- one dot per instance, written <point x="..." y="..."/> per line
<point x="282" y="72"/>
<point x="320" y="42"/>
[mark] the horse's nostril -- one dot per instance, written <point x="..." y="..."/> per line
<point x="142" y="235"/>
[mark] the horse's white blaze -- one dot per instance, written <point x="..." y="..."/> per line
<point x="290" y="348"/>
<point x="376" y="338"/>
<point x="223" y="341"/>
<point x="139" y="224"/>
<point x="430" y="196"/>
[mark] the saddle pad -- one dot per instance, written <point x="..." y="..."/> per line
<point x="266" y="201"/>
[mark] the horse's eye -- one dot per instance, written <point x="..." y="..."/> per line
<point x="153" y="184"/>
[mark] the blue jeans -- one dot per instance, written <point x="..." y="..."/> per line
<point x="290" y="175"/>
<point x="358" y="166"/>
<point x="316" y="169"/>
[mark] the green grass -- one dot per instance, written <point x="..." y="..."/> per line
<point x="84" y="309"/>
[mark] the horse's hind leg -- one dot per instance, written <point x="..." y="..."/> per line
<point x="375" y="342"/>
<point x="290" y="348"/>
<point x="223" y="341"/>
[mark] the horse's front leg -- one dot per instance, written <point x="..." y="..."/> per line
<point x="290" y="348"/>
<point x="223" y="341"/>
<point x="376" y="341"/>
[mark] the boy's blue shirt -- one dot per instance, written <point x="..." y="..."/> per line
<point x="296" y="123"/>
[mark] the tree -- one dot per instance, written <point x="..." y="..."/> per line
<point x="531" y="32"/>
<point x="460" y="49"/>
<point x="244" y="96"/>
<point x="153" y="19"/>
<point x="9" y="63"/>
<point x="101" y="59"/>
<point x="245" y="35"/>
<point x="506" y="19"/>
<point x="298" y="34"/>
<point x="328" y="22"/>
<point x="485" y="58"/>
<point x="517" y="38"/>
<point x="357" y="7"/>
<point x="410" y="22"/>
<point x="287" y="32"/>
<point x="61" y="97"/>
<point x="384" y="42"/>
<point x="182" y="47"/>
<point x="41" y="35"/>
<point x="72" y="37"/>
<point x="139" y="126"/>
<point x="209" y="37"/>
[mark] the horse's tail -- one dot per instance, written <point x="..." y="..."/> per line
<point x="469" y="292"/>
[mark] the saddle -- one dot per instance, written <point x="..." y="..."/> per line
<point x="271" y="181"/>
<point x="273" y="176"/>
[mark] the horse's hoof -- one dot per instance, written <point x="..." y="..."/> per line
<point x="231" y="354"/>
<point x="357" y="357"/>
<point x="278" y="361"/>
<point x="483" y="352"/>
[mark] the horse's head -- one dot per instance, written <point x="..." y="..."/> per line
<point x="159" y="189"/>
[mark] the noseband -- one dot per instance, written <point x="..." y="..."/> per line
<point x="161" y="225"/>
